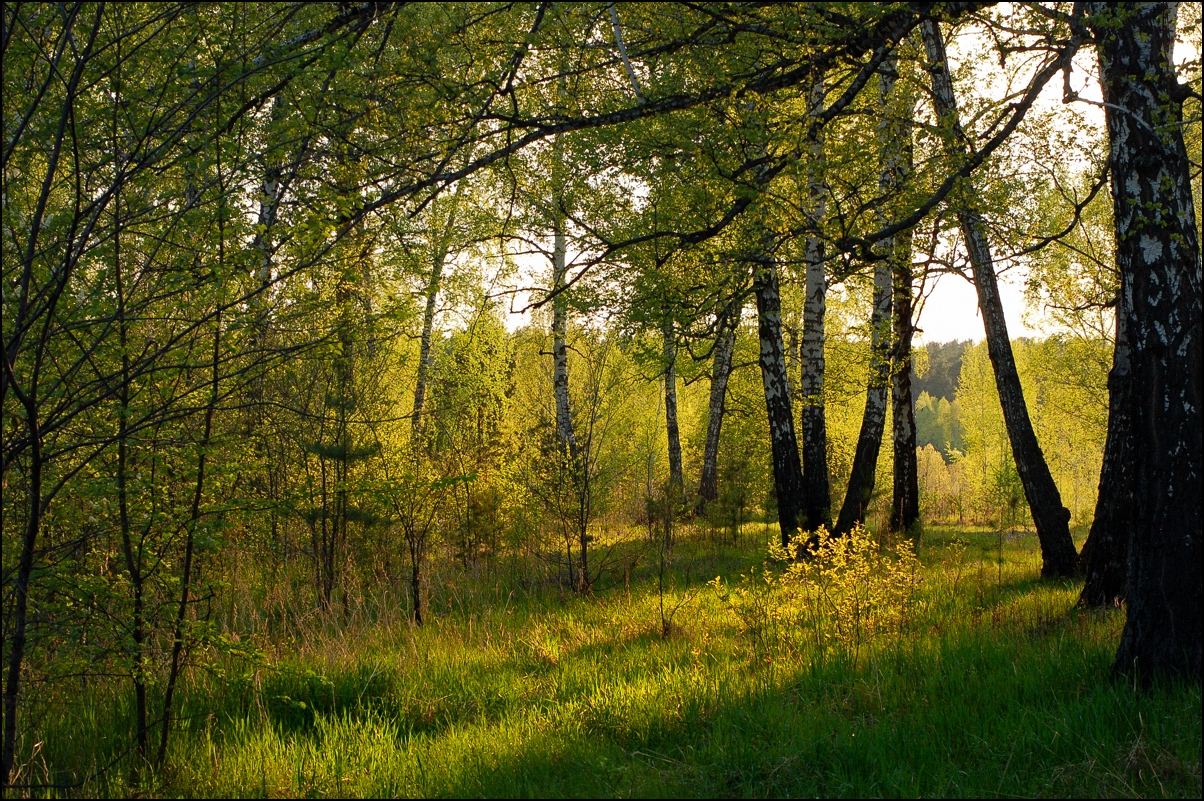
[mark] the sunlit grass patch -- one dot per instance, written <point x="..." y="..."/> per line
<point x="970" y="677"/>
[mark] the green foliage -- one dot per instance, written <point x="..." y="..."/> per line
<point x="1064" y="385"/>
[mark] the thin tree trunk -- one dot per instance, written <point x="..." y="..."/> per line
<point x="1105" y="555"/>
<point x="133" y="556"/>
<point x="1058" y="555"/>
<point x="676" y="479"/>
<point x="817" y="492"/>
<point x="560" y="358"/>
<point x="787" y="469"/>
<point x="434" y="282"/>
<point x="721" y="370"/>
<point x="416" y="578"/>
<point x="17" y="633"/>
<point x="194" y="515"/>
<point x="570" y="451"/>
<point x="905" y="495"/>
<point x="1158" y="253"/>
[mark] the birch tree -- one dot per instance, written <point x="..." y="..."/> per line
<point x="1058" y="554"/>
<point x="1158" y="255"/>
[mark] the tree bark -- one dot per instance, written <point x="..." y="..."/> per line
<point x="570" y="451"/>
<point x="721" y="370"/>
<point x="817" y="493"/>
<point x="439" y="251"/>
<point x="1105" y="556"/>
<point x="1158" y="253"/>
<point x="560" y="358"/>
<point x="676" y="478"/>
<point x="895" y="136"/>
<point x="1058" y="555"/>
<point x="873" y="417"/>
<point x="905" y="493"/>
<point x="434" y="280"/>
<point x="787" y="469"/>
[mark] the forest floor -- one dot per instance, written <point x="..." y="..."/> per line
<point x="990" y="684"/>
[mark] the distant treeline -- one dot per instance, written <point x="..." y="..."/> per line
<point x="937" y="374"/>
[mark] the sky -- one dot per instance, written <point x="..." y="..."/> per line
<point x="950" y="311"/>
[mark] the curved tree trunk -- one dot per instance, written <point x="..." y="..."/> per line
<point x="1058" y="555"/>
<point x="817" y="493"/>
<point x="1158" y="253"/>
<point x="873" y="417"/>
<point x="895" y="250"/>
<point x="725" y="340"/>
<point x="787" y="469"/>
<point x="1105" y="556"/>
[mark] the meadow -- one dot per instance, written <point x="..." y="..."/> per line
<point x="988" y="684"/>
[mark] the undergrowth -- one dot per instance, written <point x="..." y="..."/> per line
<point x="865" y="670"/>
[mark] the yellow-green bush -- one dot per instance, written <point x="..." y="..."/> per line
<point x="826" y="594"/>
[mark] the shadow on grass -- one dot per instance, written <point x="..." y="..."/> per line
<point x="965" y="721"/>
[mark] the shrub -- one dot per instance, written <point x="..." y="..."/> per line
<point x="827" y="594"/>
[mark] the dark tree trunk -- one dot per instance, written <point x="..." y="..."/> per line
<point x="787" y="470"/>
<point x="895" y="131"/>
<point x="905" y="494"/>
<point x="873" y="418"/>
<point x="894" y="250"/>
<point x="1105" y="556"/>
<point x="16" y="625"/>
<point x="725" y="340"/>
<point x="676" y="477"/>
<point x="1058" y="555"/>
<point x="817" y="493"/>
<point x="416" y="553"/>
<point x="1158" y="254"/>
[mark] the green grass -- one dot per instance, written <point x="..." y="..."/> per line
<point x="996" y="688"/>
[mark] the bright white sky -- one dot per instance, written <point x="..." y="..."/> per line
<point x="951" y="309"/>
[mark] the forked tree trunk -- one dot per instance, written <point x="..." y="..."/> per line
<point x="787" y="470"/>
<point x="873" y="417"/>
<point x="817" y="493"/>
<point x="1158" y="253"/>
<point x="721" y="370"/>
<point x="1058" y="555"/>
<point x="892" y="155"/>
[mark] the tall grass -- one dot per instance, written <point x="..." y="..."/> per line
<point x="994" y="686"/>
